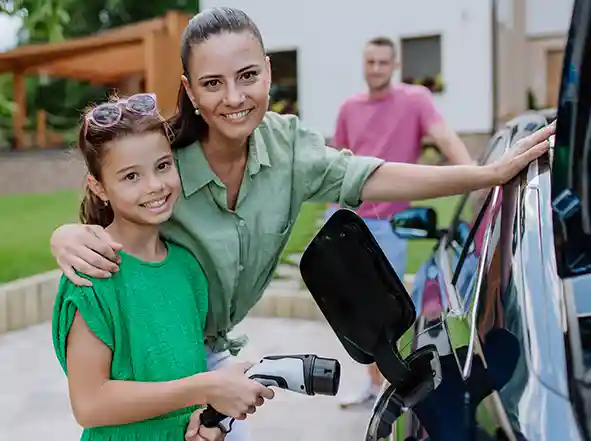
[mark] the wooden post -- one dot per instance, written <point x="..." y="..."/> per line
<point x="20" y="114"/>
<point x="41" y="129"/>
<point x="159" y="71"/>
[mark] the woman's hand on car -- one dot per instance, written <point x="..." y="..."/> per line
<point x="522" y="153"/>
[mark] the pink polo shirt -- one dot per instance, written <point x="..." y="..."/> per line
<point x="390" y="128"/>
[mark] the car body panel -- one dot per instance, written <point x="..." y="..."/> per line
<point x="515" y="292"/>
<point x="506" y="286"/>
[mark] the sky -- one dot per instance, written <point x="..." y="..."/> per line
<point x="8" y="29"/>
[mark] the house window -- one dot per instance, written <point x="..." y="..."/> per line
<point x="284" y="88"/>
<point x="421" y="62"/>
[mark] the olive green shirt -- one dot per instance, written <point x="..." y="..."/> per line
<point x="239" y="250"/>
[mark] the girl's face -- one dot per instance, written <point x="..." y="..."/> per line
<point x="139" y="179"/>
<point x="229" y="83"/>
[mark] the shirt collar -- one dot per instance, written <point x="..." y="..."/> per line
<point x="257" y="153"/>
<point x="194" y="169"/>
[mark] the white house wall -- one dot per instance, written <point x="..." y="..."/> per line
<point x="329" y="37"/>
<point x="548" y="17"/>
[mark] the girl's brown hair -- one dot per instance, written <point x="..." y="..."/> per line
<point x="93" y="143"/>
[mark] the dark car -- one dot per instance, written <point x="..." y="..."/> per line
<point x="506" y="294"/>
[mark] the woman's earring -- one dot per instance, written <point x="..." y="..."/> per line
<point x="197" y="112"/>
<point x="106" y="203"/>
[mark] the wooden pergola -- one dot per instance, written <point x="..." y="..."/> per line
<point x="139" y="57"/>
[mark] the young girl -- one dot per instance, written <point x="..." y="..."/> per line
<point x="132" y="345"/>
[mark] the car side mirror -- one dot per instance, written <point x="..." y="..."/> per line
<point x="416" y="223"/>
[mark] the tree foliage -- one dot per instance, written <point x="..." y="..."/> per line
<point x="50" y="21"/>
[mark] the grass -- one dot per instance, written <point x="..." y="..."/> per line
<point x="26" y="227"/>
<point x="303" y="232"/>
<point x="418" y="250"/>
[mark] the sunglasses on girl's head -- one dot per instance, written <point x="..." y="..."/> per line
<point x="109" y="114"/>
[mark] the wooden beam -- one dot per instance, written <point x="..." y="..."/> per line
<point x="111" y="63"/>
<point x="33" y="54"/>
<point x="94" y="78"/>
<point x="20" y="114"/>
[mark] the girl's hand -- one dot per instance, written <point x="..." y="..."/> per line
<point x="522" y="153"/>
<point x="86" y="248"/>
<point x="232" y="393"/>
<point x="195" y="432"/>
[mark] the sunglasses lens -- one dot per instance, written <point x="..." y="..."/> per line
<point x="106" y="114"/>
<point x="142" y="103"/>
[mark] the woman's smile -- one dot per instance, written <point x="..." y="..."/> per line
<point x="237" y="117"/>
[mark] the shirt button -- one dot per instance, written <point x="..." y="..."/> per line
<point x="241" y="223"/>
<point x="240" y="268"/>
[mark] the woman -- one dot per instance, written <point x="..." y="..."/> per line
<point x="245" y="173"/>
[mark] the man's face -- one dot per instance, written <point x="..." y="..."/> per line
<point x="378" y="66"/>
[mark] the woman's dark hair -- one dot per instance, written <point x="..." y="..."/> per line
<point x="93" y="143"/>
<point x="186" y="125"/>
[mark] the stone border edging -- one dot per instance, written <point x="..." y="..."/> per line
<point x="29" y="301"/>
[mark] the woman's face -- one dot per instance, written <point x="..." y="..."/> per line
<point x="229" y="79"/>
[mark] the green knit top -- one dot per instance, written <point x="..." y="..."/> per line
<point x="151" y="316"/>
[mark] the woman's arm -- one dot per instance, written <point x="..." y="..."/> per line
<point x="99" y="401"/>
<point x="408" y="182"/>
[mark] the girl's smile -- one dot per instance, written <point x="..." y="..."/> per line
<point x="157" y="206"/>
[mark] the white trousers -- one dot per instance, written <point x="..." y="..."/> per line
<point x="216" y="360"/>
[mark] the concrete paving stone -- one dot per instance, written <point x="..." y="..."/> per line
<point x="295" y="258"/>
<point x="34" y="400"/>
<point x="284" y="285"/>
<point x="288" y="272"/>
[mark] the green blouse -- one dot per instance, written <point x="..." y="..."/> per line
<point x="239" y="250"/>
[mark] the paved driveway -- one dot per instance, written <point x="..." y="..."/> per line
<point x="34" y="402"/>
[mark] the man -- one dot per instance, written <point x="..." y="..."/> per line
<point x="389" y="121"/>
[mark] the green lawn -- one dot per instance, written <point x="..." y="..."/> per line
<point x="418" y="250"/>
<point x="26" y="228"/>
<point x="303" y="232"/>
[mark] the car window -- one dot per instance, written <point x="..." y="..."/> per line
<point x="501" y="329"/>
<point x="467" y="233"/>
<point x="466" y="282"/>
<point x="585" y="333"/>
<point x="464" y="275"/>
<point x="465" y="221"/>
<point x="466" y="217"/>
<point x="497" y="318"/>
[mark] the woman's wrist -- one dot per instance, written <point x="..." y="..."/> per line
<point x="490" y="175"/>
